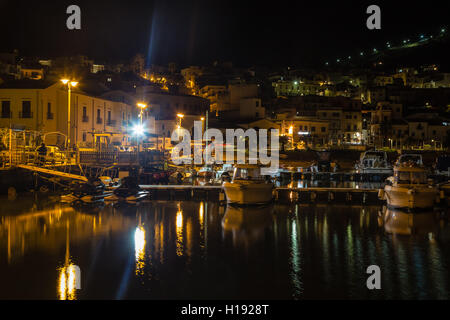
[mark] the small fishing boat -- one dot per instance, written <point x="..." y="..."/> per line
<point x="91" y="191"/>
<point x="129" y="191"/>
<point x="409" y="187"/>
<point x="248" y="186"/>
<point x="374" y="162"/>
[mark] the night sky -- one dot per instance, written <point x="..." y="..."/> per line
<point x="198" y="32"/>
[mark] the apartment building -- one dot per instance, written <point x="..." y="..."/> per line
<point x="43" y="106"/>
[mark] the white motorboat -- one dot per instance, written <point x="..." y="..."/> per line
<point x="409" y="188"/>
<point x="248" y="187"/>
<point x="374" y="162"/>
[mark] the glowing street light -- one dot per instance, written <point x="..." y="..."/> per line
<point x="142" y="106"/>
<point x="180" y="116"/>
<point x="70" y="84"/>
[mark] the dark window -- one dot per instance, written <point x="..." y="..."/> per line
<point x="84" y="136"/>
<point x="85" y="118"/>
<point x="26" y="110"/>
<point x="313" y="129"/>
<point x="99" y="119"/>
<point x="6" y="109"/>
<point x="323" y="129"/>
<point x="49" y="111"/>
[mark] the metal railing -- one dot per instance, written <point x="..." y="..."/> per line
<point x="111" y="123"/>
<point x="120" y="157"/>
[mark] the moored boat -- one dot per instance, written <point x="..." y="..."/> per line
<point x="248" y="186"/>
<point x="374" y="162"/>
<point x="409" y="188"/>
<point x="129" y="191"/>
<point x="91" y="191"/>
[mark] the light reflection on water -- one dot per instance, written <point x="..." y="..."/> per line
<point x="176" y="250"/>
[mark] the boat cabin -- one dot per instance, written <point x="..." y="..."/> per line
<point x="410" y="159"/>
<point x="410" y="175"/>
<point x="373" y="159"/>
<point x="247" y="172"/>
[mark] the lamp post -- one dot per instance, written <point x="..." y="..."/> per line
<point x="142" y="106"/>
<point x="70" y="84"/>
<point x="180" y="117"/>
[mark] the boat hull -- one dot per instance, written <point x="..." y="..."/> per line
<point x="410" y="197"/>
<point x="248" y="193"/>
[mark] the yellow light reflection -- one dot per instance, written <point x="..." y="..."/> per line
<point x="67" y="282"/>
<point x="179" y="229"/>
<point x="139" y="247"/>
<point x="200" y="213"/>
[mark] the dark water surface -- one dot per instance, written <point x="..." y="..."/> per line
<point x="190" y="250"/>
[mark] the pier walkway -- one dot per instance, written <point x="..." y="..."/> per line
<point x="52" y="172"/>
<point x="281" y="194"/>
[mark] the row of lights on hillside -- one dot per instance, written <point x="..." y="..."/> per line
<point x="389" y="46"/>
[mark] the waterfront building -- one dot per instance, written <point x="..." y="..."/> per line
<point x="43" y="106"/>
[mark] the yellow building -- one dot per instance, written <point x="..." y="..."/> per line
<point x="44" y="107"/>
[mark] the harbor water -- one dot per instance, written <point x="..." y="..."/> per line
<point x="202" y="250"/>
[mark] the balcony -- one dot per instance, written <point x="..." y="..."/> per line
<point x="99" y="121"/>
<point x="50" y="115"/>
<point x="25" y="115"/>
<point x="85" y="119"/>
<point x="6" y="115"/>
<point x="111" y="123"/>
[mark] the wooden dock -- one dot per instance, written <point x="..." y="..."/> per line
<point x="282" y="195"/>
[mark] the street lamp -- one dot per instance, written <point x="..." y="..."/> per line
<point x="140" y="130"/>
<point x="142" y="106"/>
<point x="180" y="116"/>
<point x="70" y="84"/>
